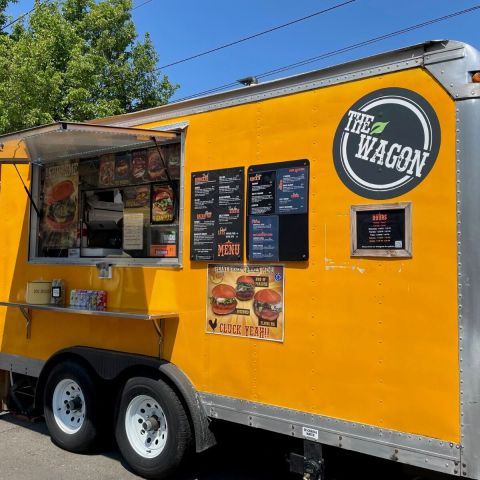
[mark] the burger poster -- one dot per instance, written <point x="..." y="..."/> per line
<point x="246" y="301"/>
<point x="60" y="194"/>
<point x="163" y="206"/>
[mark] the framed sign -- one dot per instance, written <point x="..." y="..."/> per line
<point x="381" y="230"/>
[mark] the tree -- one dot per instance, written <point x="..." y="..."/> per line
<point x="3" y="17"/>
<point x="76" y="60"/>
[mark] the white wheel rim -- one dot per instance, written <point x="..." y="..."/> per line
<point x="68" y="405"/>
<point x="146" y="426"/>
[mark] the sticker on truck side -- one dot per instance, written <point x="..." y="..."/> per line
<point x="310" y="433"/>
<point x="386" y="143"/>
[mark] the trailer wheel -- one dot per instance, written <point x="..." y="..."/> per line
<point x="152" y="428"/>
<point x="70" y="409"/>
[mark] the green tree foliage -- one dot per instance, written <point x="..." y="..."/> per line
<point x="76" y="60"/>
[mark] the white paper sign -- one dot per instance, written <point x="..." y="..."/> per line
<point x="133" y="231"/>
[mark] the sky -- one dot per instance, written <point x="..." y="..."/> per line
<point x="180" y="29"/>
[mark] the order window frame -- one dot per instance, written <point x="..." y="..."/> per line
<point x="34" y="225"/>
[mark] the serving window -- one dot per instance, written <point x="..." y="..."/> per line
<point x="123" y="205"/>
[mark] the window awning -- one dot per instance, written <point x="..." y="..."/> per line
<point x="66" y="140"/>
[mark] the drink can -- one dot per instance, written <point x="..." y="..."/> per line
<point x="101" y="300"/>
<point x="92" y="305"/>
<point x="73" y="297"/>
<point x="83" y="299"/>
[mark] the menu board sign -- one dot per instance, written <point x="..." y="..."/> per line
<point x="292" y="191"/>
<point x="217" y="214"/>
<point x="381" y="230"/>
<point x="278" y="211"/>
<point x="263" y="237"/>
<point x="262" y="193"/>
<point x="246" y="301"/>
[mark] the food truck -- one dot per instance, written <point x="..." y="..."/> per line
<point x="299" y="256"/>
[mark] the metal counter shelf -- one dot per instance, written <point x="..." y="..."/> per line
<point x="155" y="317"/>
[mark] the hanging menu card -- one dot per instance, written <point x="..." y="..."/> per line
<point x="217" y="215"/>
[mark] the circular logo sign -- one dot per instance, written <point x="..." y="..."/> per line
<point x="386" y="143"/>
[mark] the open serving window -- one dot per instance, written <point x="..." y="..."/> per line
<point x="101" y="193"/>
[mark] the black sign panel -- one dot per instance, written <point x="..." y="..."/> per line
<point x="381" y="229"/>
<point x="278" y="211"/>
<point x="217" y="215"/>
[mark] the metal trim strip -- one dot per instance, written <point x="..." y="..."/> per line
<point x="468" y="233"/>
<point x="21" y="364"/>
<point x="406" y="448"/>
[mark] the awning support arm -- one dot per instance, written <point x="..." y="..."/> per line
<point x="28" y="191"/>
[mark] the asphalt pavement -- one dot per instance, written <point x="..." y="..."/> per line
<point x="27" y="453"/>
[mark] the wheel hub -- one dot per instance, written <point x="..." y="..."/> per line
<point x="146" y="426"/>
<point x="75" y="404"/>
<point x="151" y="424"/>
<point x="68" y="406"/>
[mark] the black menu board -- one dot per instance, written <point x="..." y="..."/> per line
<point x="216" y="231"/>
<point x="277" y="224"/>
<point x="381" y="230"/>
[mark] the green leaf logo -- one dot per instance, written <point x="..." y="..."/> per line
<point x="378" y="127"/>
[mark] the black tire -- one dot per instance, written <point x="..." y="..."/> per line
<point x="178" y="434"/>
<point x="76" y="441"/>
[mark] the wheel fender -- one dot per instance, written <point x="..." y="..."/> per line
<point x="109" y="365"/>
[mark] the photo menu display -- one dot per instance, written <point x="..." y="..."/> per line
<point x="217" y="214"/>
<point x="277" y="225"/>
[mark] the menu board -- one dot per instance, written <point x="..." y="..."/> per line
<point x="263" y="237"/>
<point x="292" y="191"/>
<point x="246" y="301"/>
<point x="262" y="193"/>
<point x="383" y="230"/>
<point x="217" y="215"/>
<point x="136" y="167"/>
<point x="278" y="211"/>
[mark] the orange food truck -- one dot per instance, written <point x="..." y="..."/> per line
<point x="299" y="256"/>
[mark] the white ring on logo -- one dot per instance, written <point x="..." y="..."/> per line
<point x="427" y="143"/>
